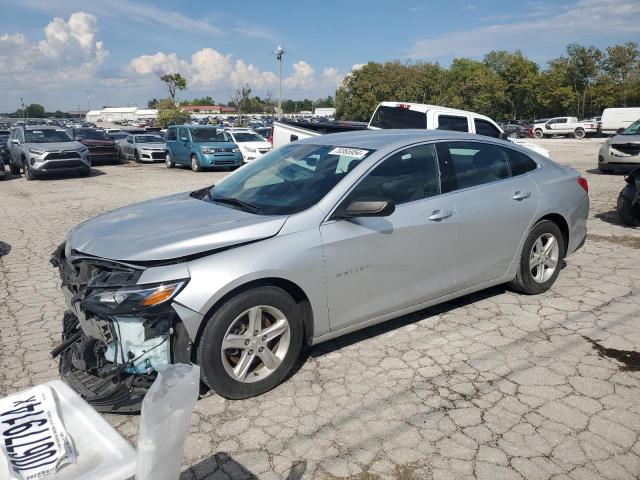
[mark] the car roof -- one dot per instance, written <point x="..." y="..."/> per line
<point x="376" y="139"/>
<point x="42" y="127"/>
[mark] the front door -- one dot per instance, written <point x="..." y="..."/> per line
<point x="182" y="146"/>
<point x="494" y="207"/>
<point x="379" y="265"/>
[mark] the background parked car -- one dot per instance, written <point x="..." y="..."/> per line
<point x="37" y="149"/>
<point x="621" y="152"/>
<point x="251" y="144"/>
<point x="566" y="126"/>
<point x="4" y="147"/>
<point x="142" y="148"/>
<point x="102" y="148"/>
<point x="201" y="147"/>
<point x="514" y="130"/>
<point x="615" y="120"/>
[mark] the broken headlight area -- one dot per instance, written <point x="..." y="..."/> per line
<point x="116" y="332"/>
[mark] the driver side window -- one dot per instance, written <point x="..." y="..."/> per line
<point x="406" y="176"/>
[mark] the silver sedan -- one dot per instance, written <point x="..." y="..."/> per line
<point x="317" y="239"/>
<point x="142" y="148"/>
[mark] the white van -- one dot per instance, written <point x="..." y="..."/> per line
<point x="614" y="120"/>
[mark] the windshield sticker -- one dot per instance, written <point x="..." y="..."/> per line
<point x="32" y="437"/>
<point x="349" y="152"/>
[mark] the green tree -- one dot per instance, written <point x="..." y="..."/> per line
<point x="521" y="77"/>
<point x="34" y="110"/>
<point x="585" y="65"/>
<point x="174" y="82"/>
<point x="623" y="65"/>
<point x="153" y="103"/>
<point x="240" y="100"/>
<point x="169" y="114"/>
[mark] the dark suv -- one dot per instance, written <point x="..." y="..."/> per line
<point x="102" y="148"/>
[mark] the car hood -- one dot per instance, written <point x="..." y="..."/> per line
<point x="152" y="146"/>
<point x="169" y="227"/>
<point x="50" y="147"/>
<point x="255" y="144"/>
<point x="215" y="144"/>
<point x="622" y="139"/>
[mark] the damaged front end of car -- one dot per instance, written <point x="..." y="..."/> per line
<point x="116" y="331"/>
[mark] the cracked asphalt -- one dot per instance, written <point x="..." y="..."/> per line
<point x="494" y="385"/>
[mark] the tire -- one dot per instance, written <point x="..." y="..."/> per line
<point x="525" y="281"/>
<point x="28" y="174"/>
<point x="136" y="156"/>
<point x="167" y="160"/>
<point x="195" y="165"/>
<point x="579" y="133"/>
<point x="14" y="169"/>
<point x="538" y="133"/>
<point x="217" y="365"/>
<point x="625" y="212"/>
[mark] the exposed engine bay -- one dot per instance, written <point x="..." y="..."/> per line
<point x="115" y="332"/>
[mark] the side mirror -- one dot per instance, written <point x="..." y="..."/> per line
<point x="375" y="208"/>
<point x="504" y="135"/>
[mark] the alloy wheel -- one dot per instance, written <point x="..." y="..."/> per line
<point x="255" y="344"/>
<point x="543" y="259"/>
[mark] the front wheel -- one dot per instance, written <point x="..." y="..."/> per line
<point x="195" y="165"/>
<point x="168" y="162"/>
<point x="541" y="258"/>
<point x="250" y="343"/>
<point x="28" y="174"/>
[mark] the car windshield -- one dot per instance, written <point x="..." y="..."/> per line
<point x="633" y="129"/>
<point x="47" y="135"/>
<point x="90" y="134"/>
<point x="149" y="139"/>
<point x="287" y="180"/>
<point x="209" y="135"/>
<point x="247" y="137"/>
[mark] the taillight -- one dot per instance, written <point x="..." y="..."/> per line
<point x="270" y="137"/>
<point x="583" y="183"/>
<point x="404" y="105"/>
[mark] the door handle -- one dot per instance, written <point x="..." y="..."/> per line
<point x="438" y="215"/>
<point x="521" y="195"/>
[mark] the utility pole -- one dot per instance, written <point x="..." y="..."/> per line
<point x="279" y="53"/>
<point x="24" y="113"/>
<point x="88" y="100"/>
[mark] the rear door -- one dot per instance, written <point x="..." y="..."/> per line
<point x="495" y="204"/>
<point x="378" y="265"/>
<point x="453" y="122"/>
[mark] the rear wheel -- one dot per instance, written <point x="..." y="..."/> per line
<point x="579" y="133"/>
<point x="195" y="165"/>
<point x="250" y="343"/>
<point x="538" y="133"/>
<point x="136" y="156"/>
<point x="626" y="213"/>
<point x="541" y="258"/>
<point x="167" y="160"/>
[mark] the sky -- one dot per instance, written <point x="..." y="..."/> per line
<point x="66" y="54"/>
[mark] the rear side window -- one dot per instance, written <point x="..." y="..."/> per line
<point x="520" y="163"/>
<point x="485" y="128"/>
<point x="451" y="122"/>
<point x="409" y="175"/>
<point x="172" y="134"/>
<point x="469" y="164"/>
<point x="396" y="117"/>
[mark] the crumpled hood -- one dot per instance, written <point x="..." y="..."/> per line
<point x="623" y="139"/>
<point x="169" y="227"/>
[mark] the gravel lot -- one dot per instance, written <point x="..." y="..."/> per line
<point x="494" y="385"/>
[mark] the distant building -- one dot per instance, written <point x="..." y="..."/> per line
<point x="325" y="112"/>
<point x="207" y="109"/>
<point x="118" y="114"/>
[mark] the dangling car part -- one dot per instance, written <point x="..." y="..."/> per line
<point x="115" y="332"/>
<point x="629" y="200"/>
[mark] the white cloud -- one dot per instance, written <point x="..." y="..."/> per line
<point x="331" y="77"/>
<point x="302" y="76"/>
<point x="551" y="29"/>
<point x="357" y="66"/>
<point x="157" y="64"/>
<point x="247" y="73"/>
<point x="69" y="51"/>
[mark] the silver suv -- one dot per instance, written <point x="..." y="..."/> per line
<point x="37" y="149"/>
<point x="314" y="240"/>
